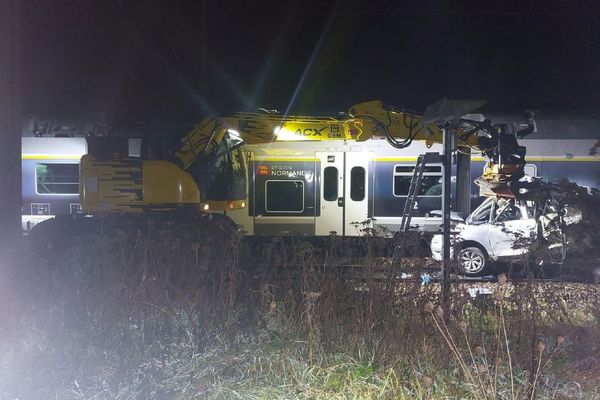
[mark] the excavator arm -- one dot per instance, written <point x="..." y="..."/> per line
<point x="364" y="121"/>
<point x="506" y="159"/>
<point x="257" y="128"/>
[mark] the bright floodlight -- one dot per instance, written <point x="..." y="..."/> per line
<point x="234" y="134"/>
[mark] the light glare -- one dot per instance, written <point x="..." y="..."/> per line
<point x="233" y="133"/>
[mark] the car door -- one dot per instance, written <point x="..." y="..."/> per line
<point x="477" y="225"/>
<point x="511" y="231"/>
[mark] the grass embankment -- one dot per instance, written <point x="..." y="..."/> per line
<point x="165" y="317"/>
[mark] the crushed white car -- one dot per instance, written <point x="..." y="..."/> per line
<point x="499" y="229"/>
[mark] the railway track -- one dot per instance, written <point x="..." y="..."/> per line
<point x="432" y="273"/>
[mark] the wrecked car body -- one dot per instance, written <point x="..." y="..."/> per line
<point x="547" y="223"/>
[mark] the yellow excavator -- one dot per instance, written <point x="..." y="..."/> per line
<point x="208" y="170"/>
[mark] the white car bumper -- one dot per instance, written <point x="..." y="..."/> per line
<point x="436" y="248"/>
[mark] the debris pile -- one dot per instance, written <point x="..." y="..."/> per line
<point x="568" y="218"/>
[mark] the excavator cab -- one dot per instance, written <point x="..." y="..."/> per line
<point x="223" y="175"/>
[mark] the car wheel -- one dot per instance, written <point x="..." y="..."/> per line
<point x="473" y="260"/>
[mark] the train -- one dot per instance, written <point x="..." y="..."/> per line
<point x="310" y="188"/>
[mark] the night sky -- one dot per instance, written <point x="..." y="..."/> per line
<point x="177" y="61"/>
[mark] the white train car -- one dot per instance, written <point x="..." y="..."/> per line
<point x="315" y="188"/>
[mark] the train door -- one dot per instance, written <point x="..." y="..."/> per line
<point x="343" y="192"/>
<point x="330" y="217"/>
<point x="356" y="202"/>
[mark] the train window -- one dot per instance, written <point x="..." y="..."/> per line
<point x="57" y="178"/>
<point x="330" y="183"/>
<point x="357" y="184"/>
<point x="284" y="196"/>
<point x="431" y="181"/>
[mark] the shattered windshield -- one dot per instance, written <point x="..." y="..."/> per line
<point x="482" y="214"/>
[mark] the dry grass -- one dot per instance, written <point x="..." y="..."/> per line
<point x="167" y="316"/>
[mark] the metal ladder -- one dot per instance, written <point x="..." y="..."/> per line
<point x="413" y="189"/>
<point x="411" y="197"/>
